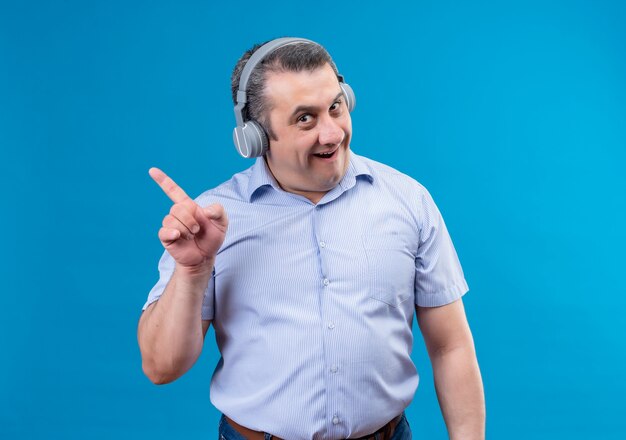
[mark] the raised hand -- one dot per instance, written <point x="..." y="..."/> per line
<point x="191" y="234"/>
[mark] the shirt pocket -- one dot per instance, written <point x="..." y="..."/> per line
<point x="391" y="267"/>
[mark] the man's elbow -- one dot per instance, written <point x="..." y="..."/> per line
<point x="159" y="376"/>
<point x="459" y="347"/>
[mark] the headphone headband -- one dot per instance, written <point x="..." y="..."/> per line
<point x="252" y="62"/>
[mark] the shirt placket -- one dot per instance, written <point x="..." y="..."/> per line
<point x="330" y="327"/>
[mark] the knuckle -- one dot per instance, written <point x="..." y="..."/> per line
<point x="175" y="209"/>
<point x="189" y="204"/>
<point x="181" y="210"/>
<point x="169" y="221"/>
<point x="162" y="234"/>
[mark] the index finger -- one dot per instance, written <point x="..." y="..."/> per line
<point x="169" y="187"/>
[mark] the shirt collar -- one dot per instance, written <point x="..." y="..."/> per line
<point x="356" y="168"/>
<point x="261" y="178"/>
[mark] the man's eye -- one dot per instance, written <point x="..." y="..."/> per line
<point x="305" y="119"/>
<point x="335" y="106"/>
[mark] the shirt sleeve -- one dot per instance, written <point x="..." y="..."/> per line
<point x="439" y="278"/>
<point x="166" y="269"/>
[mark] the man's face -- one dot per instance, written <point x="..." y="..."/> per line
<point x="312" y="127"/>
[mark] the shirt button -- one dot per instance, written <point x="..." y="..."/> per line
<point x="326" y="282"/>
<point x="335" y="420"/>
<point x="334" y="369"/>
<point x="322" y="244"/>
<point x="331" y="325"/>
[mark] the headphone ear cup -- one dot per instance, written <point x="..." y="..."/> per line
<point x="250" y="139"/>
<point x="348" y="93"/>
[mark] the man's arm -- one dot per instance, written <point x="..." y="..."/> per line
<point x="457" y="377"/>
<point x="171" y="330"/>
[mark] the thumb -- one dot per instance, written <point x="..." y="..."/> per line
<point x="216" y="213"/>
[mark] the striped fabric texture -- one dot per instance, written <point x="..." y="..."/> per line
<point x="312" y="305"/>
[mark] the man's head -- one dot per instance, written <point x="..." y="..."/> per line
<point x="296" y="96"/>
<point x="294" y="57"/>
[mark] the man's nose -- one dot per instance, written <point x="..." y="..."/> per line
<point x="331" y="132"/>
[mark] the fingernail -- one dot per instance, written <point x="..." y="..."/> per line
<point x="195" y="229"/>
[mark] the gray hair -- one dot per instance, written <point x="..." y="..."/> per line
<point x="296" y="57"/>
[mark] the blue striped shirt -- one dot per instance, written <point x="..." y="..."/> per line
<point x="312" y="305"/>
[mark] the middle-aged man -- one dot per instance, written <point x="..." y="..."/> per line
<point x="312" y="281"/>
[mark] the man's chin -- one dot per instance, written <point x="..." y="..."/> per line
<point x="330" y="183"/>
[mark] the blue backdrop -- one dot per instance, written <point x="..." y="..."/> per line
<point x="513" y="115"/>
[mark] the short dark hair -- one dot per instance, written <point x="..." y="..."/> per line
<point x="295" y="57"/>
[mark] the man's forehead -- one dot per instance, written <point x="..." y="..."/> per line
<point x="307" y="87"/>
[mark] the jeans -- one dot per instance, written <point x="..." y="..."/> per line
<point x="226" y="432"/>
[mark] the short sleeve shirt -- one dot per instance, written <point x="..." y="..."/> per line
<point x="312" y="304"/>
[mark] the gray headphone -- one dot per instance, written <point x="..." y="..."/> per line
<point x="249" y="137"/>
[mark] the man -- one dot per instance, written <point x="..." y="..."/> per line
<point x="312" y="281"/>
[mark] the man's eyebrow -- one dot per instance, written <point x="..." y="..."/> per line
<point x="311" y="108"/>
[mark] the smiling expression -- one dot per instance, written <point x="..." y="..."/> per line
<point x="309" y="152"/>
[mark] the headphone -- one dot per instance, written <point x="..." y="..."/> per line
<point x="249" y="137"/>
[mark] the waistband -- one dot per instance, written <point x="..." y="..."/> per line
<point x="383" y="433"/>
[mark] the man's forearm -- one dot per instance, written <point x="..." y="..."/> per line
<point x="460" y="392"/>
<point x="170" y="330"/>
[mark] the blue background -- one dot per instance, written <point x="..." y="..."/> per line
<point x="513" y="114"/>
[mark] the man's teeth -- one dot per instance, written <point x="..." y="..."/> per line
<point x="325" y="154"/>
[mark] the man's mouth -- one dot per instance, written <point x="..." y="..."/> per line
<point x="326" y="155"/>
